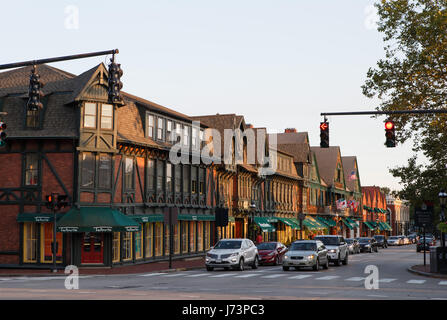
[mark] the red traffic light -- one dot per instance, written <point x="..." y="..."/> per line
<point x="324" y="126"/>
<point x="389" y="125"/>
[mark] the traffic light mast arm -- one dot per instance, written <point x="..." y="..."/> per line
<point x="57" y="59"/>
<point x="365" y="113"/>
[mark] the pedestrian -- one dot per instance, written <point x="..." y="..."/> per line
<point x="259" y="238"/>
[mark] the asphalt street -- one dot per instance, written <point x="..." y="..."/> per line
<point x="267" y="282"/>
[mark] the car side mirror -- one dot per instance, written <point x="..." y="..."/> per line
<point x="342" y="243"/>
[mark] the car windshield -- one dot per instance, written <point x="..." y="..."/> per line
<point x="365" y="240"/>
<point x="378" y="237"/>
<point x="266" y="246"/>
<point x="426" y="240"/>
<point x="349" y="241"/>
<point x="303" y="246"/>
<point x="223" y="244"/>
<point x="328" y="241"/>
<point x="394" y="238"/>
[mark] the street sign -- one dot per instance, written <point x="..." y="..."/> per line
<point x="423" y="216"/>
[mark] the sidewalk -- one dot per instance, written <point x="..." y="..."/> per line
<point x="177" y="265"/>
<point x="425" y="271"/>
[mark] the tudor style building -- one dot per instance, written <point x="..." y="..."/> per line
<point x="112" y="160"/>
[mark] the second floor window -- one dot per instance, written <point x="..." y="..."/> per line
<point x="105" y="171"/>
<point x="193" y="179"/>
<point x="151" y="174"/>
<point x="88" y="170"/>
<point x="31" y="169"/>
<point x="160" y="175"/>
<point x="160" y="129"/>
<point x="178" y="178"/>
<point x="106" y="116"/>
<point x="90" y="115"/>
<point x="32" y="119"/>
<point x="168" y="177"/>
<point x="186" y="178"/>
<point x="129" y="174"/>
<point x="169" y="127"/>
<point x="150" y="125"/>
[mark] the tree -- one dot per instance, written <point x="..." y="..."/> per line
<point x="413" y="75"/>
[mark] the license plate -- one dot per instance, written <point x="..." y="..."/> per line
<point x="219" y="260"/>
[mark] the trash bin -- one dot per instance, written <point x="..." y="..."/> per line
<point x="433" y="260"/>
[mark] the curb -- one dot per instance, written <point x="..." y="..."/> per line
<point x="426" y="274"/>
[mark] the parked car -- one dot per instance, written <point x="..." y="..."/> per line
<point x="271" y="252"/>
<point x="405" y="240"/>
<point x="424" y="246"/>
<point x="381" y="241"/>
<point x="394" y="241"/>
<point x="232" y="253"/>
<point x="413" y="238"/>
<point x="353" y="245"/>
<point x="368" y="245"/>
<point x="306" y="253"/>
<point x="337" y="247"/>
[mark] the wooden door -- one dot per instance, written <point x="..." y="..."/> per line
<point x="92" y="248"/>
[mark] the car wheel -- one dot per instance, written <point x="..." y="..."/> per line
<point x="241" y="264"/>
<point x="276" y="261"/>
<point x="209" y="268"/>
<point x="370" y="250"/>
<point x="285" y="268"/>
<point x="316" y="266"/>
<point x="376" y="249"/>
<point x="255" y="263"/>
<point x="326" y="265"/>
<point x="345" y="261"/>
<point x="226" y="268"/>
<point x="338" y="261"/>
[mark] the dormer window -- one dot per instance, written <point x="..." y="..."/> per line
<point x="32" y="119"/>
<point x="160" y="129"/>
<point x="90" y="115"/>
<point x="150" y="125"/>
<point x="106" y="116"/>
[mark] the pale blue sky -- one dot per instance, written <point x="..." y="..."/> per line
<point x="279" y="63"/>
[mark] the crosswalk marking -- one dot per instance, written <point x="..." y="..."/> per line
<point x="273" y="276"/>
<point x="443" y="283"/>
<point x="416" y="281"/>
<point x="198" y="275"/>
<point x="175" y="275"/>
<point x="387" y="280"/>
<point x="152" y="274"/>
<point x="223" y="275"/>
<point x="355" y="279"/>
<point x="301" y="276"/>
<point x="327" y="278"/>
<point x="248" y="275"/>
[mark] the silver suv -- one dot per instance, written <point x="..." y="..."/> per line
<point x="306" y="253"/>
<point x="232" y="253"/>
<point x="337" y="247"/>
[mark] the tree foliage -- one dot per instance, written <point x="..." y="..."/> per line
<point x="413" y="75"/>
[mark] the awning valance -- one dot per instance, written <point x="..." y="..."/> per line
<point x="327" y="222"/>
<point x="352" y="222"/>
<point x="290" y="222"/>
<point x="347" y="223"/>
<point x="144" y="218"/>
<point x="263" y="223"/>
<point x="96" y="219"/>
<point x="369" y="225"/>
<point x="313" y="224"/>
<point x="38" y="217"/>
<point x="196" y="217"/>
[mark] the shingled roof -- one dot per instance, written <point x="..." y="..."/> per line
<point x="327" y="162"/>
<point x="349" y="167"/>
<point x="294" y="143"/>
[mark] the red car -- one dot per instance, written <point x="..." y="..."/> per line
<point x="271" y="252"/>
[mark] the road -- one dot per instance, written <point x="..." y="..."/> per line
<point x="267" y="282"/>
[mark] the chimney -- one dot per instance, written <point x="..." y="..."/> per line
<point x="290" y="130"/>
<point x="249" y="125"/>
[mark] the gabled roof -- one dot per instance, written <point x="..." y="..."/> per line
<point x="349" y="165"/>
<point x="295" y="143"/>
<point x="327" y="162"/>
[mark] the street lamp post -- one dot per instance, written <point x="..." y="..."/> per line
<point x="442" y="200"/>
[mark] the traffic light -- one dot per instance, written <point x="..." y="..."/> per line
<point x="2" y="134"/>
<point x="389" y="134"/>
<point x="34" y="92"/>
<point x="115" y="84"/>
<point x="324" y="134"/>
<point x="62" y="201"/>
<point x="51" y="200"/>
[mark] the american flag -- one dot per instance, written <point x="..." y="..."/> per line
<point x="353" y="176"/>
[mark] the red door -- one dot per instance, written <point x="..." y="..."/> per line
<point x="239" y="228"/>
<point x="92" y="248"/>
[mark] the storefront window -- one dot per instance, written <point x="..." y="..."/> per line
<point x="185" y="229"/>
<point x="207" y="235"/>
<point x="29" y="242"/>
<point x="148" y="239"/>
<point x="192" y="236"/>
<point x="158" y="239"/>
<point x="200" y="236"/>
<point x="116" y="247"/>
<point x="167" y="243"/>
<point x="127" y="246"/>
<point x="138" y="245"/>
<point x="46" y="236"/>
<point x="177" y="238"/>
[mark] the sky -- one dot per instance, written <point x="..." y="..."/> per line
<point x="280" y="63"/>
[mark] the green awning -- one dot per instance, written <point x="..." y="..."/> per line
<point x="388" y="226"/>
<point x="38" y="217"/>
<point x="352" y="222"/>
<point x="95" y="219"/>
<point x="369" y="225"/>
<point x="196" y="217"/>
<point x="385" y="226"/>
<point x="290" y="223"/>
<point x="327" y="222"/>
<point x="143" y="218"/>
<point x="312" y="224"/>
<point x="231" y="219"/>
<point x="262" y="222"/>
<point x="347" y="223"/>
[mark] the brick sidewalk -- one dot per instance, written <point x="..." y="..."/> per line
<point x="185" y="264"/>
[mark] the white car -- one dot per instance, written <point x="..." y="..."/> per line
<point x="338" y="251"/>
<point x="232" y="253"/>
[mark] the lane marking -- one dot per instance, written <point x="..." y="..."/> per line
<point x="175" y="275"/>
<point x="387" y="280"/>
<point x="301" y="276"/>
<point x="377" y="296"/>
<point x="273" y="276"/>
<point x="355" y="279"/>
<point x="198" y="275"/>
<point x="247" y="275"/>
<point x="416" y="281"/>
<point x="224" y="275"/>
<point x="152" y="274"/>
<point x="328" y="278"/>
<point x="443" y="283"/>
